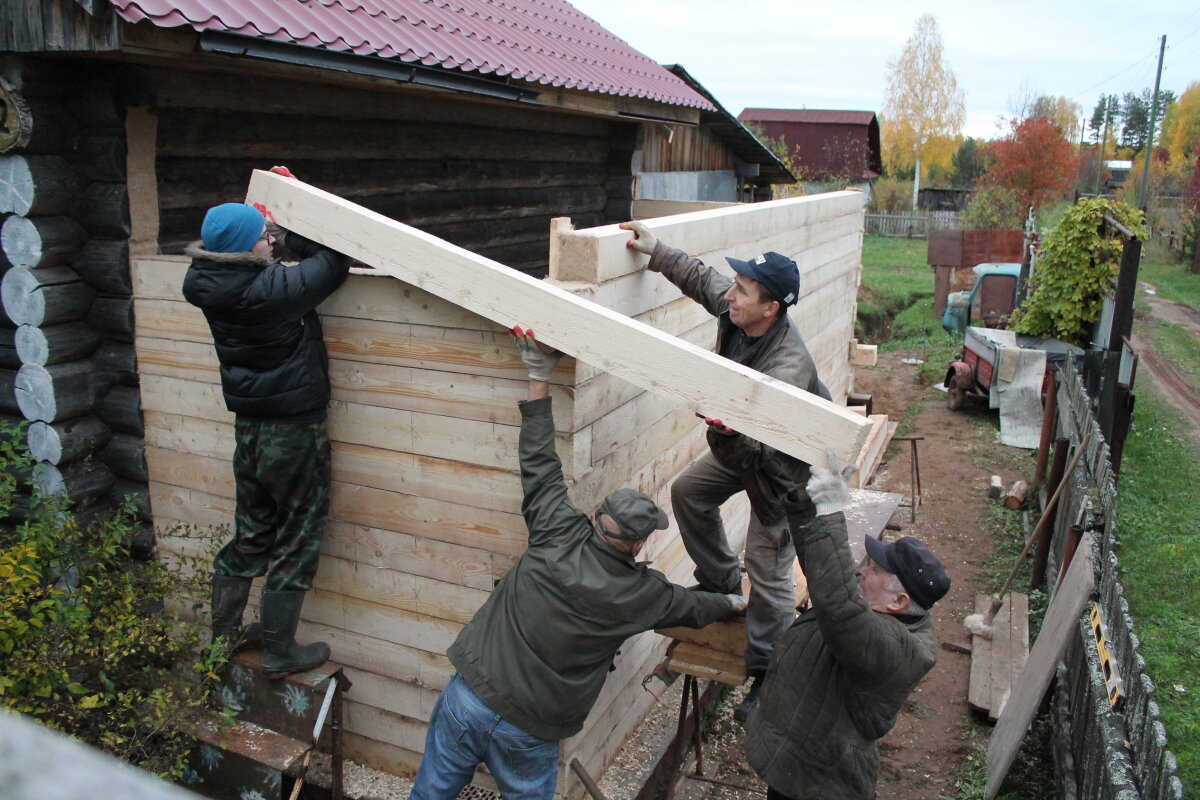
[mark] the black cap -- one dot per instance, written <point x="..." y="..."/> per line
<point x="635" y="513"/>
<point x="919" y="570"/>
<point x="777" y="273"/>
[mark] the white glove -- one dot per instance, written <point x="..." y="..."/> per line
<point x="827" y="487"/>
<point x="644" y="241"/>
<point x="540" y="363"/>
<point x="737" y="603"/>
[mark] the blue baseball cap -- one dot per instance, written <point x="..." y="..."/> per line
<point x="777" y="273"/>
<point x="231" y="228"/>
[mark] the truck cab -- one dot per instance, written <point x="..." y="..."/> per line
<point x="990" y="302"/>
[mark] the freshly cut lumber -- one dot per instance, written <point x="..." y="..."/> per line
<point x="1064" y="611"/>
<point x="864" y="355"/>
<point x="1016" y="495"/>
<point x="713" y="665"/>
<point x="979" y="684"/>
<point x="779" y="415"/>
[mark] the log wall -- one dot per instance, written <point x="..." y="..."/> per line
<point x="426" y="504"/>
<point x="484" y="176"/>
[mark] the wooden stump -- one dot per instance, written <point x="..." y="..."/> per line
<point x="55" y="344"/>
<point x="104" y="265"/>
<point x="67" y="441"/>
<point x="995" y="487"/>
<point x="54" y="393"/>
<point x="40" y="241"/>
<point x="37" y="185"/>
<point x="1016" y="495"/>
<point x="44" y="297"/>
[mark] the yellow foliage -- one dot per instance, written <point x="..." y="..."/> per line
<point x="1181" y="128"/>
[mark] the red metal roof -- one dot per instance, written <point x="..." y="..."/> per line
<point x="807" y="115"/>
<point x="539" y="41"/>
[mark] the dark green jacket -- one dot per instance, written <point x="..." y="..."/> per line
<point x="836" y="680"/>
<point x="538" y="650"/>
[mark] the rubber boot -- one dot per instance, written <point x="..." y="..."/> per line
<point x="229" y="595"/>
<point x="280" y="615"/>
<point x="742" y="712"/>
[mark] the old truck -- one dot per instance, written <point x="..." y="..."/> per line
<point x="988" y="303"/>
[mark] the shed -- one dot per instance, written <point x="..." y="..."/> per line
<point x="479" y="123"/>
<point x="826" y="143"/>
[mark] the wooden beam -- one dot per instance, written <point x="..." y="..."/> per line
<point x="771" y="411"/>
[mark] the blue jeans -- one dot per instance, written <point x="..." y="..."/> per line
<point x="464" y="732"/>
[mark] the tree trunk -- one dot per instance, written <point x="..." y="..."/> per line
<point x="121" y="410"/>
<point x="1196" y="254"/>
<point x="104" y="265"/>
<point x="54" y="393"/>
<point x="113" y="316"/>
<point x="125" y="455"/>
<point x="55" y="344"/>
<point x="103" y="208"/>
<point x="44" y="296"/>
<point x="77" y="481"/>
<point x="37" y="185"/>
<point x="67" y="441"/>
<point x="40" y="241"/>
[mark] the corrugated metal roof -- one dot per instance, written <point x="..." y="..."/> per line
<point x="545" y="42"/>
<point x="807" y="115"/>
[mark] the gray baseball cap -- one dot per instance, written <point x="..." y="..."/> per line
<point x="635" y="513"/>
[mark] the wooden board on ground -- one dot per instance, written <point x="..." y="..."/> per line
<point x="1065" y="608"/>
<point x="979" y="686"/>
<point x="769" y="410"/>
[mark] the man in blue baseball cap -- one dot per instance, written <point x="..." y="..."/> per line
<point x="275" y="378"/>
<point x="753" y="329"/>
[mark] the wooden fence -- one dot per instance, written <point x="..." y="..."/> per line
<point x="910" y="224"/>
<point x="1110" y="741"/>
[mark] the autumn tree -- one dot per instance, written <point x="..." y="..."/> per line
<point x="1034" y="161"/>
<point x="1064" y="113"/>
<point x="1181" y="128"/>
<point x="969" y="162"/>
<point x="922" y="100"/>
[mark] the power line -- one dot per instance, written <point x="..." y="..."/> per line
<point x="1151" y="54"/>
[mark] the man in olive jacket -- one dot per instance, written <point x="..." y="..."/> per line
<point x="534" y="658"/>
<point x="275" y="378"/>
<point x="753" y="329"/>
<point x="840" y="674"/>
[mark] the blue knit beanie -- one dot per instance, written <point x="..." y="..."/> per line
<point x="231" y="228"/>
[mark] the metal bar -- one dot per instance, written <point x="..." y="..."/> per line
<point x="586" y="779"/>
<point x="1049" y="415"/>
<point x="662" y="767"/>
<point x="721" y="782"/>
<point x="697" y="729"/>
<point x="680" y="736"/>
<point x="1044" y="530"/>
<point x="335" y="744"/>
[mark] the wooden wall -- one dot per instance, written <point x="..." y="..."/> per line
<point x="485" y="176"/>
<point x="683" y="148"/>
<point x="426" y="500"/>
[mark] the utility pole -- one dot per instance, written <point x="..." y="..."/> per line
<point x="1162" y="46"/>
<point x="1103" y="141"/>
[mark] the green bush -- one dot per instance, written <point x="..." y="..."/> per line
<point x="1074" y="271"/>
<point x="993" y="207"/>
<point x="92" y="643"/>
<point x="891" y="195"/>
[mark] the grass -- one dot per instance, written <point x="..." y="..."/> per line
<point x="1179" y="348"/>
<point x="1171" y="280"/>
<point x="1160" y="564"/>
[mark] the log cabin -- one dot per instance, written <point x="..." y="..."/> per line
<point x="125" y="120"/>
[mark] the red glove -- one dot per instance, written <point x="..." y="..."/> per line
<point x="263" y="210"/>
<point x="284" y="171"/>
<point x="716" y="425"/>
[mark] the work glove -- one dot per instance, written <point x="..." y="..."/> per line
<point x="827" y="487"/>
<point x="737" y="603"/>
<point x="540" y="361"/>
<point x="643" y="240"/>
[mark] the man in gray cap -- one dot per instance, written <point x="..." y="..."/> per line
<point x="840" y="674"/>
<point x="753" y="329"/>
<point x="533" y="659"/>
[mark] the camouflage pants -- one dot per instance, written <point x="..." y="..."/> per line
<point x="283" y="479"/>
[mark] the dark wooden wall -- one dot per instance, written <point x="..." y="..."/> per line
<point x="682" y="148"/>
<point x="488" y="177"/>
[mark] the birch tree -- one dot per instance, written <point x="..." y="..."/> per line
<point x="922" y="98"/>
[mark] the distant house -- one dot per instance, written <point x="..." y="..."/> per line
<point x="1118" y="173"/>
<point x="826" y="144"/>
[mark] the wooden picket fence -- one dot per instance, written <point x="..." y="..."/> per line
<point x="910" y="224"/>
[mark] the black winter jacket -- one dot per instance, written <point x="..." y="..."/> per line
<point x="265" y="327"/>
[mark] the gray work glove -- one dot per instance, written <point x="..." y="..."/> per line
<point x="827" y="487"/>
<point x="540" y="361"/>
<point x="737" y="603"/>
<point x="644" y="241"/>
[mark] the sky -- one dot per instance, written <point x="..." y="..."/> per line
<point x="834" y="55"/>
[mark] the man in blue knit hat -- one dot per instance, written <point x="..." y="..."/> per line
<point x="275" y="378"/>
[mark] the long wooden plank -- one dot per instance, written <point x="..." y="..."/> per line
<point x="979" y="685"/>
<point x="772" y="412"/>
<point x="1064" y="611"/>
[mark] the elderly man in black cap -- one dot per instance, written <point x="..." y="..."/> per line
<point x="753" y="329"/>
<point x="533" y="659"/>
<point x="840" y="674"/>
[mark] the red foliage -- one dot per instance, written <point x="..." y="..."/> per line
<point x="1035" y="161"/>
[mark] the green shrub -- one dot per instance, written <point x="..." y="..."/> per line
<point x="1075" y="269"/>
<point x="87" y="643"/>
<point x="891" y="195"/>
<point x="993" y="207"/>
